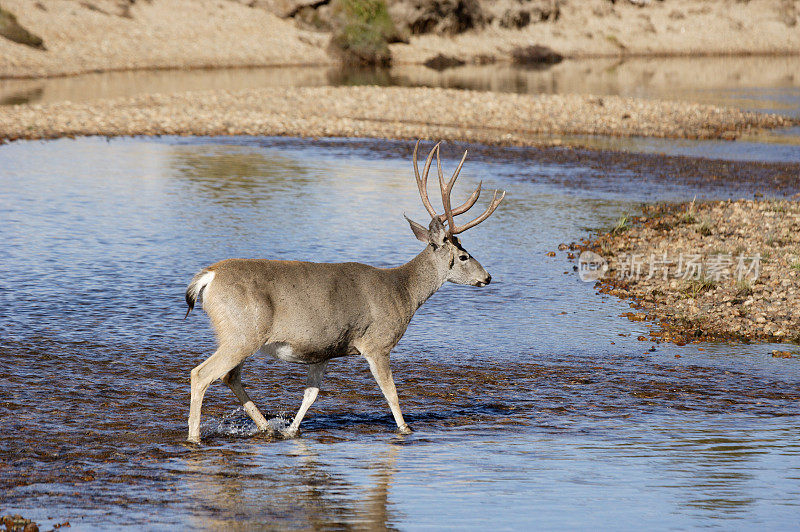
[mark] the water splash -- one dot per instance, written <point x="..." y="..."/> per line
<point x="237" y="424"/>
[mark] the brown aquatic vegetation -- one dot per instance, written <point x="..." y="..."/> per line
<point x="717" y="270"/>
<point x="489" y="118"/>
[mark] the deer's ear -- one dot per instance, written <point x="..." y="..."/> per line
<point x="419" y="231"/>
<point x="436" y="233"/>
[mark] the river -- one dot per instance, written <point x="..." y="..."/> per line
<point x="533" y="401"/>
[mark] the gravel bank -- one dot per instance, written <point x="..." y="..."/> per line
<point x="717" y="270"/>
<point x="398" y="113"/>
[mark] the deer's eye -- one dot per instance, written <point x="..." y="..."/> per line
<point x="463" y="258"/>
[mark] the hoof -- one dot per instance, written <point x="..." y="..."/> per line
<point x="193" y="439"/>
<point x="289" y="434"/>
<point x="405" y="429"/>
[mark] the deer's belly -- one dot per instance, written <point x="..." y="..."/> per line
<point x="283" y="351"/>
<point x="288" y="353"/>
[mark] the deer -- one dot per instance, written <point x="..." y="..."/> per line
<point x="310" y="313"/>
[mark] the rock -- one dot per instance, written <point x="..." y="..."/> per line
<point x="17" y="523"/>
<point x="320" y="18"/>
<point x="520" y="13"/>
<point x="483" y="59"/>
<point x="436" y="16"/>
<point x="13" y="31"/>
<point x="787" y="12"/>
<point x="283" y="8"/>
<point x="515" y="18"/>
<point x="535" y="55"/>
<point x="443" y="62"/>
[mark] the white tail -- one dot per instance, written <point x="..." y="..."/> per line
<point x="196" y="286"/>
<point x="309" y="313"/>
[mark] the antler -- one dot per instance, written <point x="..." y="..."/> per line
<point x="447" y="189"/>
<point x="449" y="213"/>
<point x="422" y="182"/>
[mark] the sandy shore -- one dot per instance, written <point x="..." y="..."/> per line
<point x="157" y="35"/>
<point x="718" y="270"/>
<point x="83" y="36"/>
<point x="395" y="113"/>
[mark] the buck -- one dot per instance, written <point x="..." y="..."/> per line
<point x="309" y="313"/>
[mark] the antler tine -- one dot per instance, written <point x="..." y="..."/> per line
<point x="422" y="182"/>
<point x="488" y="212"/>
<point x="447" y="190"/>
<point x="467" y="205"/>
<point x="448" y="211"/>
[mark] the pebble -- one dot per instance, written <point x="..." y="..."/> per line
<point x="765" y="306"/>
<point x="378" y="112"/>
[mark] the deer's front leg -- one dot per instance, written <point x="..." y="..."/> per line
<point x="315" y="372"/>
<point x="379" y="365"/>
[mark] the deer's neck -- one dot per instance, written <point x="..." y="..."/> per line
<point x="422" y="276"/>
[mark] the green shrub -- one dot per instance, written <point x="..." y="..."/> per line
<point x="705" y="229"/>
<point x="696" y="287"/>
<point x="364" y="33"/>
<point x="743" y="288"/>
<point x="622" y="225"/>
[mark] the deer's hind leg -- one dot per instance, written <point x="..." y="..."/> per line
<point x="234" y="381"/>
<point x="218" y="365"/>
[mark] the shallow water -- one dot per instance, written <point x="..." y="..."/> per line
<point x="532" y="400"/>
<point x="764" y="83"/>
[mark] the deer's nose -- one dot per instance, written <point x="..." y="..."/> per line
<point x="488" y="279"/>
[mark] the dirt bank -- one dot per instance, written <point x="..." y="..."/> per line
<point x="589" y="28"/>
<point x="99" y="36"/>
<point x="396" y="113"/>
<point x="717" y="270"/>
<point x="103" y="35"/>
